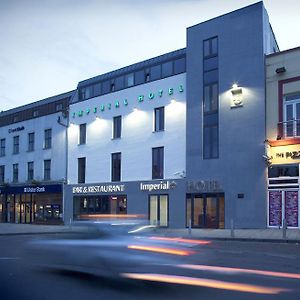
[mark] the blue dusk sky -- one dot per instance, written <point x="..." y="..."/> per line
<point x="48" y="46"/>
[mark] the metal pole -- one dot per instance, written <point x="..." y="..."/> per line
<point x="284" y="229"/>
<point x="190" y="226"/>
<point x="232" y="228"/>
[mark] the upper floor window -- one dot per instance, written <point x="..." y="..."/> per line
<point x="48" y="139"/>
<point x="16" y="145"/>
<point x="2" y="147"/>
<point x="47" y="169"/>
<point x="36" y="113"/>
<point x="58" y="107"/>
<point x="82" y="134"/>
<point x="210" y="47"/>
<point x="159" y="119"/>
<point x="129" y="80"/>
<point x="158" y="163"/>
<point x="117" y="127"/>
<point x="211" y="95"/>
<point x="292" y="115"/>
<point x="116" y="166"/>
<point x="167" y="69"/>
<point x="31" y="141"/>
<point x="30" y="171"/>
<point x="81" y="169"/>
<point x="2" y="174"/>
<point x="15" y="172"/>
<point x="210" y="141"/>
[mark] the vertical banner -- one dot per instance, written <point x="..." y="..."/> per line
<point x="291" y="208"/>
<point x="275" y="208"/>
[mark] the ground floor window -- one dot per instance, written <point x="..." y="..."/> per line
<point x="31" y="208"/>
<point x="159" y="210"/>
<point x="205" y="210"/>
<point x="104" y="205"/>
<point x="283" y="204"/>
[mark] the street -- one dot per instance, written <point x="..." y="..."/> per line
<point x="219" y="270"/>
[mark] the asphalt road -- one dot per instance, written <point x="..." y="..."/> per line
<point x="219" y="270"/>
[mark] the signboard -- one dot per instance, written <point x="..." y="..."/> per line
<point x="291" y="208"/>
<point x="103" y="188"/>
<point x="195" y="186"/>
<point x="29" y="189"/>
<point x="162" y="185"/>
<point x="284" y="154"/>
<point x="17" y="129"/>
<point x="275" y="208"/>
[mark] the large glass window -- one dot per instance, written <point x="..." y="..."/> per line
<point x="211" y="96"/>
<point x="82" y="134"/>
<point x="117" y="127"/>
<point x="116" y="166"/>
<point x="129" y="80"/>
<point x="97" y="89"/>
<point x="48" y="139"/>
<point x="159" y="210"/>
<point x="31" y="141"/>
<point x="2" y="147"/>
<point x="158" y="163"/>
<point x="292" y="115"/>
<point x="159" y="119"/>
<point x="15" y="172"/>
<point x="210" y="47"/>
<point x="30" y="170"/>
<point x="47" y="169"/>
<point x="81" y="169"/>
<point x="210" y="142"/>
<point x="167" y="69"/>
<point x="106" y="87"/>
<point x="179" y="66"/>
<point x="16" y="145"/>
<point x="2" y="174"/>
<point x="119" y="83"/>
<point x="155" y="72"/>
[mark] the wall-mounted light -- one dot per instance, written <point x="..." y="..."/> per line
<point x="237" y="95"/>
<point x="280" y="70"/>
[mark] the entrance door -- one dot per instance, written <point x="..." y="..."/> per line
<point x="205" y="211"/>
<point x="158" y="210"/>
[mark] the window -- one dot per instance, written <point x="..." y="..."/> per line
<point x="2" y="147"/>
<point x="82" y="134"/>
<point x="155" y="72"/>
<point x="15" y="118"/>
<point x="116" y="166"/>
<point x="36" y="113"/>
<point x="97" y="89"/>
<point x="105" y="87"/>
<point x="158" y="210"/>
<point x="210" y="142"/>
<point x="129" y="80"/>
<point x="158" y="163"/>
<point x="58" y="107"/>
<point x="139" y="77"/>
<point x="167" y="69"/>
<point x="2" y="174"/>
<point x="159" y="119"/>
<point x="112" y="86"/>
<point x="16" y="146"/>
<point x="86" y="92"/>
<point x="211" y="96"/>
<point x="210" y="47"/>
<point x="179" y="65"/>
<point x="117" y="127"/>
<point x="292" y="115"/>
<point x="147" y="75"/>
<point x="119" y="83"/>
<point x="47" y="169"/>
<point x="81" y="169"/>
<point x="48" y="139"/>
<point x="30" y="171"/>
<point x="15" y="172"/>
<point x="31" y="141"/>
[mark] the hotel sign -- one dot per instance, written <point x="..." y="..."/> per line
<point x="162" y="185"/>
<point x="105" y="188"/>
<point x="203" y="186"/>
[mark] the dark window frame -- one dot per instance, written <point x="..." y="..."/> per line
<point x="31" y="140"/>
<point x="15" y="173"/>
<point x="48" y="138"/>
<point x="2" y="147"/>
<point x="117" y="127"/>
<point x="16" y="144"/>
<point x="81" y="168"/>
<point x="2" y="174"/>
<point x="158" y="163"/>
<point x="47" y="169"/>
<point x="82" y="134"/>
<point x="159" y="119"/>
<point x="30" y="170"/>
<point x="116" y="161"/>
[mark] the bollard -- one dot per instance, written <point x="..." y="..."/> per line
<point x="190" y="226"/>
<point x="284" y="229"/>
<point x="231" y="228"/>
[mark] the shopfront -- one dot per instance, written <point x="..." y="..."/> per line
<point x="205" y="205"/>
<point x="283" y="187"/>
<point x="32" y="204"/>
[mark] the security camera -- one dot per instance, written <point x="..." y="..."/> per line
<point x="266" y="157"/>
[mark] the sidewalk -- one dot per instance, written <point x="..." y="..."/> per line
<point x="271" y="235"/>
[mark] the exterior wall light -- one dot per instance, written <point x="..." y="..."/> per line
<point x="280" y="70"/>
<point x="237" y="96"/>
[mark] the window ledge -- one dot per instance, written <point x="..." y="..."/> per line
<point x="155" y="131"/>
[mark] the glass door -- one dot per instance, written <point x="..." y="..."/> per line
<point x="159" y="210"/>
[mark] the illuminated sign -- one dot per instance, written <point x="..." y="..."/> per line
<point x="162" y="185"/>
<point x="289" y="154"/>
<point x="106" y="188"/>
<point x="34" y="189"/>
<point x="117" y="103"/>
<point x="203" y="186"/>
<point x="12" y="130"/>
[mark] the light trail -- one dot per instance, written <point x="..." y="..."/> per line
<point x="209" y="283"/>
<point x="238" y="270"/>
<point x="161" y="250"/>
<point x="181" y="240"/>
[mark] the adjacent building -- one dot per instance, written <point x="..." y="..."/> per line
<point x="283" y="137"/>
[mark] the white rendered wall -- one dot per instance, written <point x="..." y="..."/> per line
<point x="57" y="153"/>
<point x="137" y="138"/>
